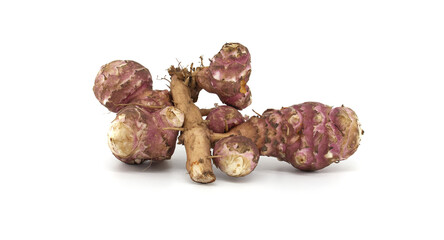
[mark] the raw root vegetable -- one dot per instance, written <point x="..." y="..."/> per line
<point x="310" y="136"/>
<point x="119" y="82"/>
<point x="137" y="135"/>
<point x="227" y="75"/>
<point x="237" y="156"/>
<point x="223" y="118"/>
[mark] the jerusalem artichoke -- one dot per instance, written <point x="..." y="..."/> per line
<point x="237" y="156"/>
<point x="223" y="118"/>
<point x="120" y="81"/>
<point x="227" y="75"/>
<point x="137" y="135"/>
<point x="310" y="136"/>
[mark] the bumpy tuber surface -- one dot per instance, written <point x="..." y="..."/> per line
<point x="152" y="100"/>
<point x="237" y="156"/>
<point x="228" y="74"/>
<point x="223" y="118"/>
<point x="137" y="135"/>
<point x="310" y="136"/>
<point x="119" y="82"/>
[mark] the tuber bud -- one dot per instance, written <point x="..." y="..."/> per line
<point x="223" y="118"/>
<point x="237" y="156"/>
<point x="119" y="82"/>
<point x="137" y="135"/>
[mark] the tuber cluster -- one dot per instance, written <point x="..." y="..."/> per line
<point x="146" y="125"/>
<point x="309" y="136"/>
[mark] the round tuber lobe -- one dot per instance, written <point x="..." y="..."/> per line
<point x="124" y="82"/>
<point x="137" y="135"/>
<point x="120" y="81"/>
<point x="223" y="118"/>
<point x="237" y="156"/>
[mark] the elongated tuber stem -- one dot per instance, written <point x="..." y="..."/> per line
<point x="214" y="137"/>
<point x="196" y="136"/>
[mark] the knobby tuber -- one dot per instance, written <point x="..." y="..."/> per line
<point x="237" y="156"/>
<point x="223" y="118"/>
<point x="137" y="135"/>
<point x="227" y="75"/>
<point x="309" y="136"/>
<point x="120" y="81"/>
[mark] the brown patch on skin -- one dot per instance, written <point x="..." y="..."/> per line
<point x="239" y="147"/>
<point x="243" y="88"/>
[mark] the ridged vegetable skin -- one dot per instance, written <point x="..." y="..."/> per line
<point x="310" y="136"/>
<point x="223" y="118"/>
<point x="228" y="74"/>
<point x="121" y="81"/>
<point x="137" y="135"/>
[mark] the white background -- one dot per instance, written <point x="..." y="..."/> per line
<point x="384" y="59"/>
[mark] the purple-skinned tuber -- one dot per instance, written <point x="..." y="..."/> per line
<point x="223" y="118"/>
<point x="137" y="135"/>
<point x="121" y="81"/>
<point x="310" y="136"/>
<point x="228" y="74"/>
<point x="237" y="156"/>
